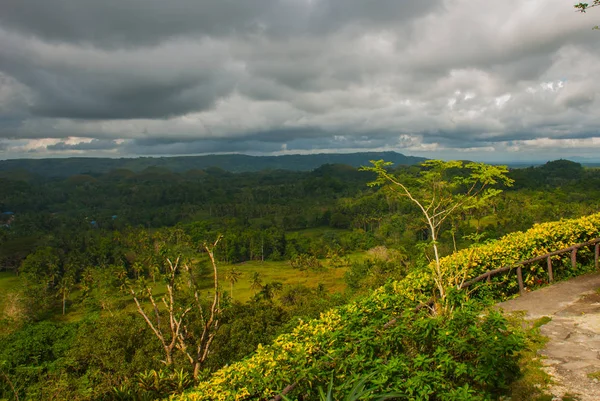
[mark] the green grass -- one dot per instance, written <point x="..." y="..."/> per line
<point x="541" y="321"/>
<point x="594" y="375"/>
<point x="534" y="381"/>
<point x="315" y="232"/>
<point x="8" y="282"/>
<point x="491" y="220"/>
<point x="331" y="278"/>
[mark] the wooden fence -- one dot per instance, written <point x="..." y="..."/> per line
<point x="519" y="266"/>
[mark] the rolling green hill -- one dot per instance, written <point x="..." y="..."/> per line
<point x="231" y="162"/>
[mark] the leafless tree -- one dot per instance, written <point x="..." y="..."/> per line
<point x="175" y="333"/>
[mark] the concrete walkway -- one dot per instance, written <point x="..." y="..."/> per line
<point x="573" y="349"/>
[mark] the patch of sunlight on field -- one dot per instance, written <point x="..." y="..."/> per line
<point x="331" y="277"/>
<point x="491" y="220"/>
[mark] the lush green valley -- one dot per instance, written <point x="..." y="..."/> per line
<point x="311" y="268"/>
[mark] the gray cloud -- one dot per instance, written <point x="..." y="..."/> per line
<point x="279" y="141"/>
<point x="126" y="23"/>
<point x="265" y="76"/>
<point x="74" y="82"/>
<point x="94" y="144"/>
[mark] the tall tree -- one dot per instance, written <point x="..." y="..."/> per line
<point x="441" y="190"/>
<point x="256" y="282"/>
<point x="232" y="275"/>
<point x="64" y="287"/>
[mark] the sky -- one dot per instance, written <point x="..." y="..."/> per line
<point x="510" y="80"/>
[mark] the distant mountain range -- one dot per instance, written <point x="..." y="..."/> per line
<point x="231" y="162"/>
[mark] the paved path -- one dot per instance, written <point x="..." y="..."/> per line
<point x="573" y="349"/>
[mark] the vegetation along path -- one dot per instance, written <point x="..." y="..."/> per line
<point x="572" y="354"/>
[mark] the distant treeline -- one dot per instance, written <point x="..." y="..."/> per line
<point x="230" y="162"/>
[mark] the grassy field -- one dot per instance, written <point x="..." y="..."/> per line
<point x="331" y="278"/>
<point x="7" y="281"/>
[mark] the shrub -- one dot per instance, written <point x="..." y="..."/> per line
<point x="469" y="352"/>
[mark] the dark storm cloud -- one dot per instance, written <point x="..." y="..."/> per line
<point x="273" y="139"/>
<point x="187" y="70"/>
<point x="117" y="23"/>
<point x="84" y="83"/>
<point x="88" y="99"/>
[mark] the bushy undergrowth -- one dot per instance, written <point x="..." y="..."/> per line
<point x="467" y="353"/>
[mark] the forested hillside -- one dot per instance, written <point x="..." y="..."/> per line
<point x="86" y="260"/>
<point x="232" y="163"/>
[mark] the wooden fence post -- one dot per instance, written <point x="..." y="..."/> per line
<point x="596" y="254"/>
<point x="550" y="273"/>
<point x="574" y="258"/>
<point x="520" y="278"/>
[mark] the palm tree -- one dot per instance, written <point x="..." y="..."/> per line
<point x="256" y="281"/>
<point x="268" y="291"/>
<point x="65" y="285"/>
<point x="232" y="275"/>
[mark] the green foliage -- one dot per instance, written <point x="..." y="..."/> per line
<point x="441" y="190"/>
<point x="463" y="354"/>
<point x="153" y="385"/>
<point x="243" y="328"/>
<point x="81" y="361"/>
<point x="534" y="381"/>
<point x="356" y="393"/>
<point x="468" y="352"/>
<point x="583" y="7"/>
<point x="232" y="275"/>
<point x="32" y="354"/>
<point x="108" y="350"/>
<point x="380" y="265"/>
<point x="269" y="219"/>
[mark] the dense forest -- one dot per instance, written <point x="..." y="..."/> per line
<point x="140" y="284"/>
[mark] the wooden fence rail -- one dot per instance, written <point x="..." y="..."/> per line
<point x="548" y="256"/>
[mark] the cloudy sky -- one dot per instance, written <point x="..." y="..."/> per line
<point x="470" y="79"/>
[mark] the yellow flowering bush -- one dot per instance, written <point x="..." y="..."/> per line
<point x="518" y="246"/>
